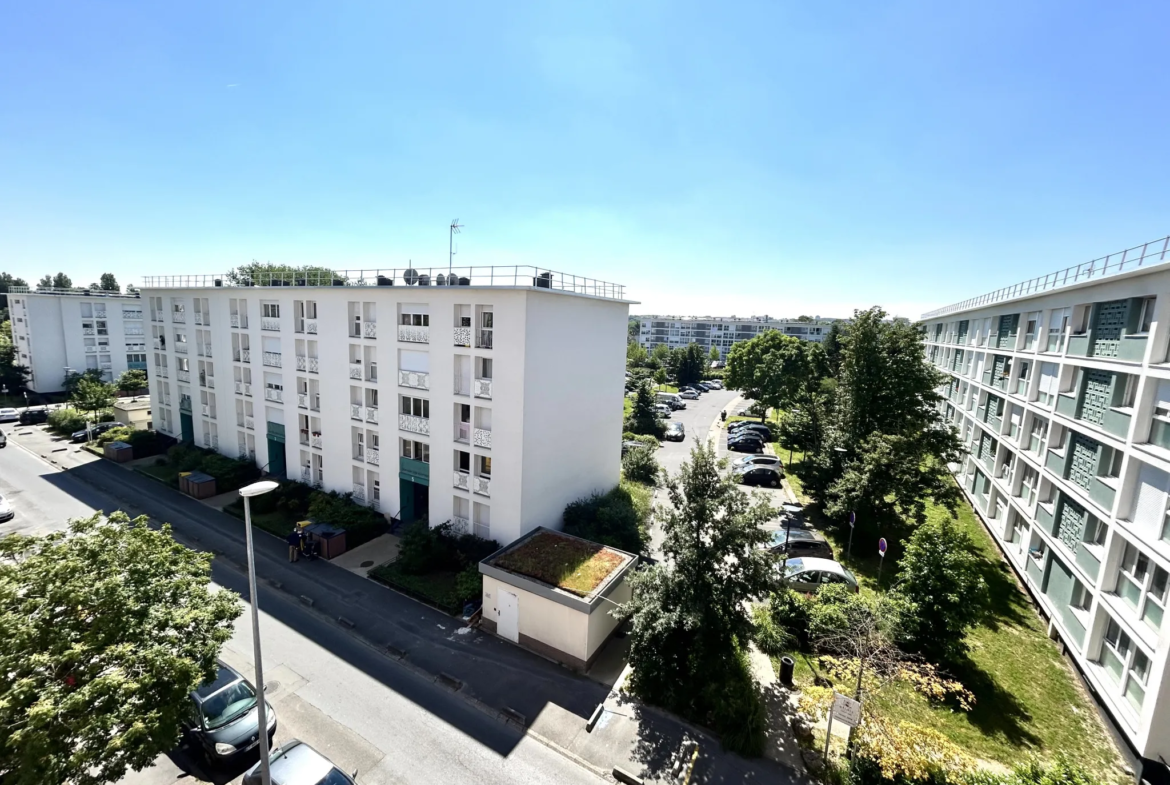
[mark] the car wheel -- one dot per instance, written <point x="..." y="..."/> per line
<point x="774" y="482"/>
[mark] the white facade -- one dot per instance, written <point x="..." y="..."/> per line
<point x="721" y="332"/>
<point x="1062" y="397"/>
<point x="61" y="330"/>
<point x="489" y="406"/>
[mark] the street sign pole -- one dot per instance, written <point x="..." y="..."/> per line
<point x="828" y="736"/>
<point x="882" y="553"/>
<point x="849" y="547"/>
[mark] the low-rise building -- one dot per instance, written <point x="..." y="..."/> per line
<point x="133" y="412"/>
<point x="58" y="331"/>
<point x="722" y="332"/>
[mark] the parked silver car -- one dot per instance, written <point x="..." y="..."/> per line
<point x="809" y="574"/>
<point x="296" y="763"/>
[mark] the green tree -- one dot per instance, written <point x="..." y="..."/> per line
<point x="109" y="283"/>
<point x="92" y="396"/>
<point x="620" y="518"/>
<point x="643" y="419"/>
<point x="804" y="318"/>
<point x="13" y="374"/>
<point x="688" y="617"/>
<point x="940" y="576"/>
<point x="776" y="370"/>
<point x="107" y="629"/>
<point x="268" y="274"/>
<point x="832" y="346"/>
<point x="660" y="377"/>
<point x="691" y="364"/>
<point x="45" y="283"/>
<point x="131" y="380"/>
<point x="62" y="281"/>
<point x="661" y="355"/>
<point x="7" y="281"/>
<point x="713" y="355"/>
<point x="73" y="378"/>
<point x="639" y="465"/>
<point x="635" y="354"/>
<point x="633" y="328"/>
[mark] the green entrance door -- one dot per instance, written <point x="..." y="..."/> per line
<point x="415" y="501"/>
<point x="187" y="427"/>
<point x="276" y="458"/>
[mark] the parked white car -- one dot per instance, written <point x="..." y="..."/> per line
<point x="8" y="414"/>
<point x="662" y="410"/>
<point x="6" y="511"/>
<point x="690" y="395"/>
<point x="809" y="574"/>
<point x="756" y="460"/>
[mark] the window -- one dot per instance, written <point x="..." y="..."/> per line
<point x="1155" y="605"/>
<point x="1080" y="597"/>
<point x="1032" y="329"/>
<point x="1057" y="327"/>
<point x="1082" y="323"/>
<point x="1048" y="383"/>
<point x="417" y="451"/>
<point x="1095" y="532"/>
<point x="1147" y="314"/>
<point x="485" y="465"/>
<point x="1129" y="393"/>
<point x="416" y="319"/>
<point x="1131" y="576"/>
<point x="1127" y="665"/>
<point x="1115" y="462"/>
<point x="416" y="407"/>
<point x="270" y="310"/>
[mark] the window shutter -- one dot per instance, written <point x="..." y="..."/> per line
<point x="1150" y="504"/>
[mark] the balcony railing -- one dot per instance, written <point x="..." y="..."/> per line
<point x="272" y="325"/>
<point x="372" y="372"/>
<point x="207" y="381"/>
<point x="419" y="380"/>
<point x="302" y="362"/>
<point x="131" y="314"/>
<point x="206" y="350"/>
<point x="206" y="410"/>
<point x="201" y="319"/>
<point x="183" y="376"/>
<point x="315" y="441"/>
<point x="306" y="473"/>
<point x="272" y="394"/>
<point x="372" y="414"/>
<point x="272" y="359"/>
<point x="485" y="340"/>
<point x="161" y="372"/>
<point x="408" y="422"/>
<point x="460" y="525"/>
<point x="185" y="404"/>
<point x="409" y="333"/>
<point x="463" y="432"/>
<point x="482" y="438"/>
<point x="463" y="337"/>
<point x="178" y="316"/>
<point x="355" y="411"/>
<point x="303" y="400"/>
<point x="359" y="453"/>
<point x="180" y="347"/>
<point x="373" y="456"/>
<point x="93" y="349"/>
<point x="355" y="371"/>
<point x="483" y="388"/>
<point x="359" y="492"/>
<point x="482" y="485"/>
<point x="370" y="330"/>
<point x="245" y="355"/>
<point x="462" y="480"/>
<point x="305" y="436"/>
<point x="88" y="331"/>
<point x="235" y="320"/>
<point x="311" y="326"/>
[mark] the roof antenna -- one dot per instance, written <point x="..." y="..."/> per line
<point x="455" y="227"/>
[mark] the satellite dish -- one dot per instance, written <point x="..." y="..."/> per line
<point x="410" y="276"/>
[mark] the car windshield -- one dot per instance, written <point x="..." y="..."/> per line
<point x="334" y="777"/>
<point x="793" y="567"/>
<point x="228" y="704"/>
<point x="849" y="576"/>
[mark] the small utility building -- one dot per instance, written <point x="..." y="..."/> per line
<point x="553" y="593"/>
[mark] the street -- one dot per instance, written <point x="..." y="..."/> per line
<point x="328" y="688"/>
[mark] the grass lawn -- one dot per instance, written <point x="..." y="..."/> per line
<point x="627" y="407"/>
<point x="167" y="473"/>
<point x="277" y="522"/>
<point x="571" y="564"/>
<point x="1028" y="700"/>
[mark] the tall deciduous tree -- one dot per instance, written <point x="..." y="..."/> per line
<point x="92" y="396"/>
<point x="691" y="363"/>
<point x="832" y="346"/>
<point x="13" y="374"/>
<point x="131" y="380"/>
<point x="688" y="615"/>
<point x="7" y="281"/>
<point x="106" y="629"/>
<point x="774" y="369"/>
<point x="62" y="281"/>
<point x="643" y="419"/>
<point x="109" y="283"/>
<point x="713" y="355"/>
<point x="46" y="282"/>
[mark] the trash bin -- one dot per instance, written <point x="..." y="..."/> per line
<point x="787" y="669"/>
<point x="119" y="452"/>
<point x="330" y="539"/>
<point x="200" y="485"/>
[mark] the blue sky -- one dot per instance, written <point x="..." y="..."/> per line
<point x="720" y="158"/>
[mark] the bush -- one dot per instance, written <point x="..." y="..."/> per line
<point x="619" y="518"/>
<point x="644" y="438"/>
<point x="184" y="457"/>
<point x="639" y="465"/>
<point x="119" y="434"/>
<point x="360" y="523"/>
<point x="737" y="711"/>
<point x="66" y="421"/>
<point x="789" y="612"/>
<point x="426" y="549"/>
<point x="469" y="584"/>
<point x="771" y="638"/>
<point x="146" y="443"/>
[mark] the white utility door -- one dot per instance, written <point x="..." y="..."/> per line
<point x="508" y="625"/>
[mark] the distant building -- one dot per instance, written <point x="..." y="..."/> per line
<point x="722" y="332"/>
<point x="61" y="330"/>
<point x="133" y="412"/>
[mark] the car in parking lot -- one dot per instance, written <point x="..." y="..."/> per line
<point x="6" y="511"/>
<point x="34" y="416"/>
<point x="809" y="574"/>
<point x="760" y="475"/>
<point x="746" y="433"/>
<point x="746" y="444"/>
<point x="296" y="763"/>
<point x="763" y="431"/>
<point x="799" y="543"/>
<point x="662" y="410"/>
<point x="675" y="431"/>
<point x="8" y="414"/>
<point x="756" y="460"/>
<point x="94" y="431"/>
<point x="716" y="383"/>
<point x="3" y="439"/>
<point x="224" y="719"/>
<point x="688" y="393"/>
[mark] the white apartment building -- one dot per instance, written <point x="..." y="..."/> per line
<point x="721" y="332"/>
<point x="488" y="404"/>
<point x="61" y="330"/>
<point x="1060" y="388"/>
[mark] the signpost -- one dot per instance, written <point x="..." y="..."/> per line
<point x="882" y="554"/>
<point x="846" y="711"/>
<point x="849" y="547"/>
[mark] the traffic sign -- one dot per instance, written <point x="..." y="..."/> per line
<point x="882" y="547"/>
<point x="846" y="710"/>
<point x="852" y="519"/>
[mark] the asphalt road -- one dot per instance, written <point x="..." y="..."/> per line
<point x="328" y="688"/>
<point x="697" y="419"/>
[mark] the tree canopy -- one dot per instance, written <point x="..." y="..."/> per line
<point x="132" y="380"/>
<point x="775" y="370"/>
<point x="643" y="419"/>
<point x="62" y="281"/>
<point x="268" y="274"/>
<point x="105" y="629"/>
<point x="7" y="281"/>
<point x="92" y="395"/>
<point x="690" y="364"/>
<point x="109" y="283"/>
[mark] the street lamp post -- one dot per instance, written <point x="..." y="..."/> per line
<point x="247" y="492"/>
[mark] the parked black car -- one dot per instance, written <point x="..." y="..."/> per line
<point x="675" y="432"/>
<point x="798" y="543"/>
<point x="760" y="475"/>
<point x="223" y="719"/>
<point x="746" y="444"/>
<point x="34" y="416"/>
<point x="762" y="430"/>
<point x="95" y="430"/>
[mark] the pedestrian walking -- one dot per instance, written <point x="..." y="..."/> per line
<point x="294" y="544"/>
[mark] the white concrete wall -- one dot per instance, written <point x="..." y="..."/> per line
<point x="549" y="622"/>
<point x="602" y="621"/>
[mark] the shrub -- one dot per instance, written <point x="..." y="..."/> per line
<point x="119" y="434"/>
<point x="771" y="638"/>
<point x="146" y="443"/>
<point x="619" y="518"/>
<point x="469" y="584"/>
<point x="360" y="523"/>
<point x="639" y="465"/>
<point x="737" y="711"/>
<point x="426" y="549"/>
<point x="184" y="457"/>
<point x="644" y="438"/>
<point x="789" y="612"/>
<point x="66" y="420"/>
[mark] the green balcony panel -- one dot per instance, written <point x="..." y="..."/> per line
<point x="1132" y="348"/>
<point x="1088" y="562"/>
<point x="1101" y="494"/>
<point x="1055" y="463"/>
<point x="1078" y="345"/>
<point x="1116" y="422"/>
<point x="1034" y="570"/>
<point x="1066" y="404"/>
<point x="415" y="471"/>
<point x="1044" y="518"/>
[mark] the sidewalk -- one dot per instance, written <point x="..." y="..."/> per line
<point x="553" y="702"/>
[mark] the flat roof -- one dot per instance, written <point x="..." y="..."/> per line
<point x="74" y="292"/>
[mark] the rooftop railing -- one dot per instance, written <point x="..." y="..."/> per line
<point x="518" y="277"/>
<point x="75" y="291"/>
<point x="1152" y="252"/>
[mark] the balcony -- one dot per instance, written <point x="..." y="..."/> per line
<point x="460" y="525"/>
<point x="272" y="359"/>
<point x="414" y="334"/>
<point x="161" y="372"/>
<point x="183" y="376"/>
<point x="180" y="347"/>
<point x="302" y="362"/>
<point x="311" y="326"/>
<point x="250" y="423"/>
<point x="246" y="355"/>
<point x="243" y="388"/>
<point x="305" y="436"/>
<point x="306" y="474"/>
<point x="135" y="365"/>
<point x="483" y="388"/>
<point x="463" y="337"/>
<point x="482" y="438"/>
<point x="372" y="372"/>
<point x="372" y="414"/>
<point x="485" y="340"/>
<point x="482" y="485"/>
<point x="359" y="492"/>
<point x="206" y="350"/>
<point x="272" y="394"/>
<point x="355" y="371"/>
<point x="211" y="441"/>
<point x="315" y="441"/>
<point x="92" y="349"/>
<point x="462" y="480"/>
<point x="185" y="404"/>
<point x="208" y="411"/>
<point x="463" y="432"/>
<point x="373" y="456"/>
<point x="179" y="317"/>
<point x="370" y="330"/>
<point x="272" y="325"/>
<point x="413" y="424"/>
<point x="235" y="320"/>
<point x="355" y="411"/>
<point x="207" y="381"/>
<point x="418" y="380"/>
<point x="303" y="400"/>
